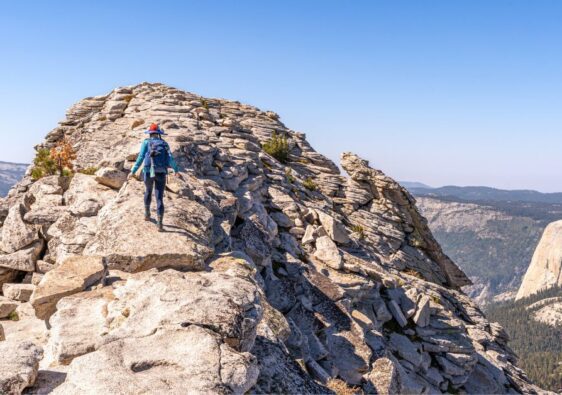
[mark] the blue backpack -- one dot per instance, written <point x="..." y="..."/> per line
<point x="157" y="156"/>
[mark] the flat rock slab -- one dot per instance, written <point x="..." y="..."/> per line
<point x="131" y="244"/>
<point x="172" y="360"/>
<point x="160" y="332"/>
<point x="228" y="303"/>
<point x="18" y="366"/>
<point x="72" y="276"/>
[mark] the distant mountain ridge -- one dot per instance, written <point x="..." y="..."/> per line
<point x="476" y="193"/>
<point x="10" y="173"/>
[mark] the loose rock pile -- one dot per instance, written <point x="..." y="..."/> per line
<point x="261" y="282"/>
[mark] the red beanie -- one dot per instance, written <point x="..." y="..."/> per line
<point x="153" y="127"/>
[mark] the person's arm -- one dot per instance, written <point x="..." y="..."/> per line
<point x="141" y="156"/>
<point x="172" y="161"/>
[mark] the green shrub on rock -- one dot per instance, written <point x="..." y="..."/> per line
<point x="310" y="184"/>
<point x="278" y="147"/>
<point x="44" y="165"/>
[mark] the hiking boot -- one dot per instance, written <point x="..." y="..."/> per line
<point x="147" y="213"/>
<point x="160" y="223"/>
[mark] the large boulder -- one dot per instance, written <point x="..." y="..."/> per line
<point x="131" y="244"/>
<point x="24" y="259"/>
<point x="18" y="366"/>
<point x="85" y="197"/>
<point x="327" y="252"/>
<point x="16" y="234"/>
<point x="72" y="276"/>
<point x="111" y="177"/>
<point x="69" y="235"/>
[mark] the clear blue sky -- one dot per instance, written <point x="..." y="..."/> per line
<point x="438" y="91"/>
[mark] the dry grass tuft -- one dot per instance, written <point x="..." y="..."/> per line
<point x="341" y="388"/>
<point x="413" y="273"/>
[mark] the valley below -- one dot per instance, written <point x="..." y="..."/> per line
<point x="10" y="173"/>
<point x="492" y="241"/>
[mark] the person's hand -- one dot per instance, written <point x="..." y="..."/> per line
<point x="130" y="176"/>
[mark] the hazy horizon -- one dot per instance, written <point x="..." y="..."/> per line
<point x="443" y="93"/>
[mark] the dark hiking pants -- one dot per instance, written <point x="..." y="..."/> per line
<point x="160" y="183"/>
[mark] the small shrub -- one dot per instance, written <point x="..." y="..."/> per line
<point x="14" y="316"/>
<point x="56" y="160"/>
<point x="289" y="176"/>
<point x="359" y="230"/>
<point x="340" y="387"/>
<point x="309" y="184"/>
<point x="89" y="171"/>
<point x="435" y="299"/>
<point x="63" y="154"/>
<point x="278" y="147"/>
<point x="44" y="165"/>
<point x="205" y="104"/>
<point x="102" y="118"/>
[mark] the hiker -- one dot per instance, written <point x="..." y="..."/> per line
<point x="156" y="156"/>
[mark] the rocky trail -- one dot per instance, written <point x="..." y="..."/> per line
<point x="270" y="277"/>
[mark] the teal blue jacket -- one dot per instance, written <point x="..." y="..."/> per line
<point x="144" y="151"/>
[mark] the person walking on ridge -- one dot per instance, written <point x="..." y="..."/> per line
<point x="157" y="158"/>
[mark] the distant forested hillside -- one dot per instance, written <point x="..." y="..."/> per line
<point x="538" y="345"/>
<point x="492" y="241"/>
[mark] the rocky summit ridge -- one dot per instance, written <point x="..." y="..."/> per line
<point x="270" y="277"/>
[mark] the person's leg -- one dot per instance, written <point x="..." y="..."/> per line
<point x="149" y="186"/>
<point x="160" y="182"/>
